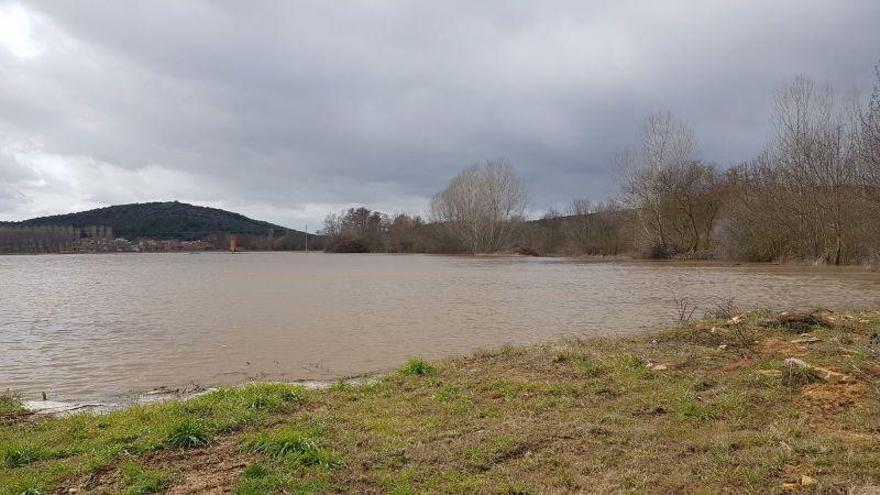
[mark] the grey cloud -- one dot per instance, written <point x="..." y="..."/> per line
<point x="286" y="109"/>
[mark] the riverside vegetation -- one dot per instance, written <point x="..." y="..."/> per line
<point x="763" y="402"/>
<point x="812" y="194"/>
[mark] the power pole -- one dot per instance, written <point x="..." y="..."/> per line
<point x="307" y="238"/>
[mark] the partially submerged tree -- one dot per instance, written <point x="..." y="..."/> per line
<point x="598" y="228"/>
<point x="869" y="143"/>
<point x="800" y="198"/>
<point x="480" y="206"/>
<point x="677" y="197"/>
<point x="356" y="230"/>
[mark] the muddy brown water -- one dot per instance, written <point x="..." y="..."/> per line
<point x="94" y="327"/>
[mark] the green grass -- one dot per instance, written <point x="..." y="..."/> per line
<point x="141" y="481"/>
<point x="571" y="416"/>
<point x="40" y="455"/>
<point x="418" y="367"/>
<point x="10" y="407"/>
<point x="189" y="433"/>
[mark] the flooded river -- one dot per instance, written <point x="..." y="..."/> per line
<point x="95" y="327"/>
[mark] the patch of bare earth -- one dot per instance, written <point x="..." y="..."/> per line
<point x="209" y="470"/>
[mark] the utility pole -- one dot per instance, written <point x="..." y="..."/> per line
<point x="307" y="238"/>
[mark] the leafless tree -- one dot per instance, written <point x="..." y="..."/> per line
<point x="599" y="228"/>
<point x="816" y="159"/>
<point x="677" y="197"/>
<point x="356" y="230"/>
<point x="480" y="206"/>
<point x="869" y="142"/>
<point x="800" y="197"/>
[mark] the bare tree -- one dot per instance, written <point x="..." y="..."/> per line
<point x="676" y="196"/>
<point x="869" y="142"/>
<point x="480" y="206"/>
<point x="816" y="157"/>
<point x="800" y="197"/>
<point x="356" y="230"/>
<point x="598" y="228"/>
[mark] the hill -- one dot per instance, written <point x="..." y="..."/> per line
<point x="163" y="220"/>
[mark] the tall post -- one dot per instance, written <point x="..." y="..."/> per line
<point x="307" y="238"/>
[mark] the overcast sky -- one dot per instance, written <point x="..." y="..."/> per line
<point x="285" y="111"/>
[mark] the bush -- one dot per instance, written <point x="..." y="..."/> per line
<point x="352" y="246"/>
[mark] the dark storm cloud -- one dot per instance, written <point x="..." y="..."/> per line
<point x="284" y="110"/>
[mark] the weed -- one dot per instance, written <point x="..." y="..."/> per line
<point x="418" y="367"/>
<point x="23" y="456"/>
<point x="744" y="334"/>
<point x="255" y="471"/>
<point x="447" y="393"/>
<point x="141" y="481"/>
<point x="690" y="406"/>
<point x="295" y="444"/>
<point x="796" y="376"/>
<point x="340" y="385"/>
<point x="725" y="309"/>
<point x="189" y="433"/>
<point x="282" y="443"/>
<point x="11" y="406"/>
<point x="684" y="308"/>
<point x="590" y="367"/>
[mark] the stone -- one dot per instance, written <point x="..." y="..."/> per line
<point x="807" y="480"/>
<point x="826" y="375"/>
<point x="722" y="347"/>
<point x="806" y="340"/>
<point x="830" y="376"/>
<point x="795" y="363"/>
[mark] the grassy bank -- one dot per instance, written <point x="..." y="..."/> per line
<point x="708" y="407"/>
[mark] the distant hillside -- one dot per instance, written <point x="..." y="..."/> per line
<point x="166" y="220"/>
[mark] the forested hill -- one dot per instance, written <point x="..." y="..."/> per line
<point x="165" y="220"/>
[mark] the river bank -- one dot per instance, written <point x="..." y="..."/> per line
<point x="764" y="402"/>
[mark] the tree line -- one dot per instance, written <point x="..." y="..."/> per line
<point x="812" y="194"/>
<point x="39" y="239"/>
